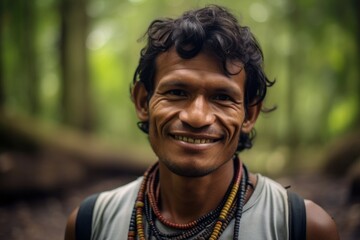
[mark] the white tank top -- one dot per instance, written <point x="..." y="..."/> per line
<point x="265" y="215"/>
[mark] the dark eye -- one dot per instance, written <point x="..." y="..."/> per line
<point x="177" y="92"/>
<point x="222" y="97"/>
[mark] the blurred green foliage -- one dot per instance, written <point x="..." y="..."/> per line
<point x="310" y="47"/>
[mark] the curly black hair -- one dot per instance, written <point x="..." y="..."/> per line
<point x="215" y="29"/>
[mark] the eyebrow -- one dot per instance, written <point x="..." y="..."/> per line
<point x="230" y="91"/>
<point x="173" y="83"/>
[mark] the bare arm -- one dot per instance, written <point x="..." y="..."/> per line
<point x="70" y="226"/>
<point x="319" y="225"/>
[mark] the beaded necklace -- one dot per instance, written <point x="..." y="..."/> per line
<point x="209" y="226"/>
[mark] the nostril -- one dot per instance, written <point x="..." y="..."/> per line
<point x="197" y="118"/>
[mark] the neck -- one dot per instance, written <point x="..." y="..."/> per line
<point x="185" y="199"/>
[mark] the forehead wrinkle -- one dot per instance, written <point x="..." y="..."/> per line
<point x="171" y="58"/>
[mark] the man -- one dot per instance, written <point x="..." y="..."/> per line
<point x="198" y="90"/>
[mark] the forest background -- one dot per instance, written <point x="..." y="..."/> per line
<point x="66" y="68"/>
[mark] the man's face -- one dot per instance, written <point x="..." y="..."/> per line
<point x="196" y="113"/>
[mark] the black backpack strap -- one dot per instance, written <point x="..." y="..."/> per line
<point x="297" y="217"/>
<point x="84" y="218"/>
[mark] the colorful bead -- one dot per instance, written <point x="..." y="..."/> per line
<point x="209" y="226"/>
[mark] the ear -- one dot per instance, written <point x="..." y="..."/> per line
<point x="139" y="96"/>
<point x="251" y="117"/>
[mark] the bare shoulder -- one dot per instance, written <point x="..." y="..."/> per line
<point x="70" y="226"/>
<point x="319" y="223"/>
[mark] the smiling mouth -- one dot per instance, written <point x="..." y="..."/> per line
<point x="193" y="140"/>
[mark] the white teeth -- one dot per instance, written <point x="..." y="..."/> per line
<point x="192" y="140"/>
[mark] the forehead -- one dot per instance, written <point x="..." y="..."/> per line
<point x="205" y="63"/>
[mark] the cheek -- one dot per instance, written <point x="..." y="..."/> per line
<point x="161" y="114"/>
<point x="236" y="125"/>
<point x="232" y="121"/>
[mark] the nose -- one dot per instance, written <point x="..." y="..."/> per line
<point x="197" y="113"/>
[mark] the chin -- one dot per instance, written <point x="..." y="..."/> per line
<point x="188" y="171"/>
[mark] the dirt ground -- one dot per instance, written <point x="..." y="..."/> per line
<point x="43" y="217"/>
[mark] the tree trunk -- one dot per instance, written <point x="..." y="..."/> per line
<point x="76" y="99"/>
<point x="357" y="35"/>
<point x="30" y="57"/>
<point x="2" y="86"/>
<point x="292" y="138"/>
